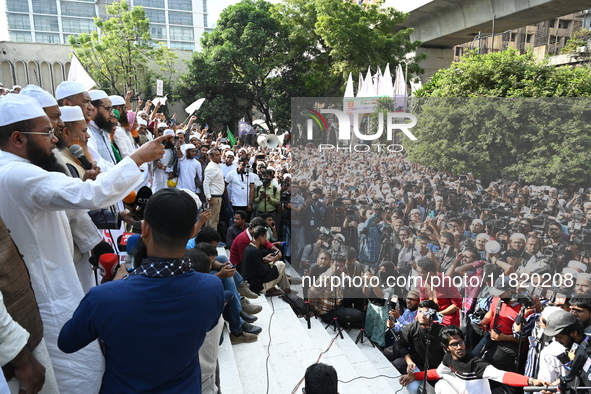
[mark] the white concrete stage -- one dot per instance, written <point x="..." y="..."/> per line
<point x="277" y="362"/>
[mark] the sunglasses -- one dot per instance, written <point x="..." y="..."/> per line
<point x="456" y="344"/>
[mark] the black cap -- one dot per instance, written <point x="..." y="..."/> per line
<point x="171" y="212"/>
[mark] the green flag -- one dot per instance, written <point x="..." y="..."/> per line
<point x="231" y="137"/>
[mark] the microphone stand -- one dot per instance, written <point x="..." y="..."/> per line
<point x="426" y="364"/>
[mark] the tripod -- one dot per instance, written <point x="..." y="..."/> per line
<point x="362" y="333"/>
<point x="334" y="323"/>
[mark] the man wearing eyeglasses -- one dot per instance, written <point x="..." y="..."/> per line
<point x="101" y="125"/>
<point x="462" y="372"/>
<point x="33" y="203"/>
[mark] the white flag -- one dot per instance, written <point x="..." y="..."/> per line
<point x="195" y="105"/>
<point x="78" y="74"/>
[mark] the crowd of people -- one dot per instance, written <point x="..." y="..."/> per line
<point x="496" y="277"/>
<point x="419" y="252"/>
<point x="77" y="165"/>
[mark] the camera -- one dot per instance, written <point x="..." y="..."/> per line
<point x="525" y="299"/>
<point x="285" y="198"/>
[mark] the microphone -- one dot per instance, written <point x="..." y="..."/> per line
<point x="77" y="152"/>
<point x="131" y="249"/>
<point x="107" y="264"/>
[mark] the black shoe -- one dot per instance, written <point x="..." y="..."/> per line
<point x="251" y="329"/>
<point x="248" y="318"/>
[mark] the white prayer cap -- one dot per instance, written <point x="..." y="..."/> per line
<point x="71" y="114"/>
<point x="168" y="132"/>
<point x="162" y="125"/>
<point x="141" y="122"/>
<point x="97" y="95"/>
<point x="68" y="88"/>
<point x="117" y="100"/>
<point x="577" y="265"/>
<point x="492" y="247"/>
<point x="517" y="236"/>
<point x="16" y="108"/>
<point x="584" y="276"/>
<point x="194" y="196"/>
<point x="483" y="235"/>
<point x="230" y="153"/>
<point x="571" y="271"/>
<point x="189" y="146"/>
<point x="44" y="98"/>
<point x="16" y="87"/>
<point x="478" y="221"/>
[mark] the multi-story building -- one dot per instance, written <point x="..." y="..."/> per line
<point x="179" y="23"/>
<point x="543" y="38"/>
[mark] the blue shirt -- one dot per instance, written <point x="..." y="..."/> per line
<point x="152" y="329"/>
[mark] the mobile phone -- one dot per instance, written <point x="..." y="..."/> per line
<point x="276" y="253"/>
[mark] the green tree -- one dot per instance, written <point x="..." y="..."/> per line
<point x="331" y="38"/>
<point x="239" y="63"/>
<point x="261" y="55"/>
<point x="119" y="54"/>
<point x="505" y="113"/>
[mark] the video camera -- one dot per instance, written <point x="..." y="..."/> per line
<point x="285" y="198"/>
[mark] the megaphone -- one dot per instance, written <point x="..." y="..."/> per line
<point x="262" y="140"/>
<point x="269" y="141"/>
<point x="272" y="141"/>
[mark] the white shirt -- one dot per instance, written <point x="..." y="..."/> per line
<point x="13" y="337"/>
<point x="238" y="190"/>
<point x="550" y="367"/>
<point x="188" y="168"/>
<point x="123" y="142"/>
<point x="213" y="185"/>
<point x="226" y="169"/>
<point x="32" y="204"/>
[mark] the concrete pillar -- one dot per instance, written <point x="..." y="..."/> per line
<point x="437" y="58"/>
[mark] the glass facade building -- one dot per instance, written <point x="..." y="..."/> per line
<point x="178" y="23"/>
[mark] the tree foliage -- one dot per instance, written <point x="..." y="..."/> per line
<point x="331" y="38"/>
<point x="537" y="130"/>
<point x="117" y="56"/>
<point x="261" y="55"/>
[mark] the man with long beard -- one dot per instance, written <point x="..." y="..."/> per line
<point x="33" y="203"/>
<point x="52" y="110"/>
<point x="84" y="232"/>
<point x="101" y="126"/>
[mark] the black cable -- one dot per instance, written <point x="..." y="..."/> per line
<point x="369" y="378"/>
<point x="269" y="345"/>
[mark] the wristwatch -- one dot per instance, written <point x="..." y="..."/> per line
<point x="530" y="381"/>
